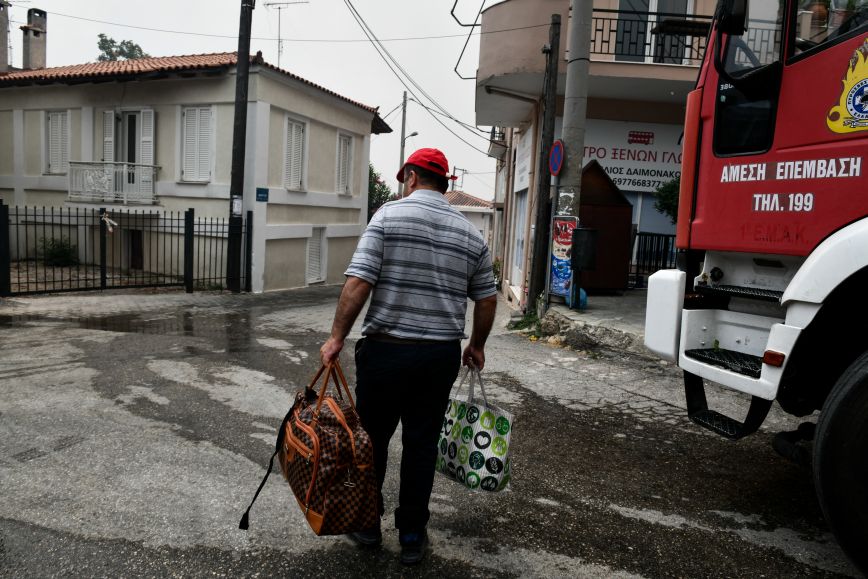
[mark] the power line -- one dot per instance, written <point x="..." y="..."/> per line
<point x="384" y="52"/>
<point x="390" y="113"/>
<point x="378" y="48"/>
<point x="301" y="40"/>
<point x="462" y="123"/>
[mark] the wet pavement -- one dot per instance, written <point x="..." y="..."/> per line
<point x="134" y="429"/>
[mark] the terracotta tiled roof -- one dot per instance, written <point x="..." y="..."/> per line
<point x="144" y="67"/>
<point x="462" y="199"/>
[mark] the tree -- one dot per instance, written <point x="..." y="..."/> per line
<point x="111" y="49"/>
<point x="378" y="191"/>
<point x="666" y="199"/>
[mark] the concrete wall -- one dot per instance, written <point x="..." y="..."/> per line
<point x="285" y="263"/>
<point x="6" y="167"/>
<point x="285" y="214"/>
<point x="33" y="138"/>
<point x="340" y="251"/>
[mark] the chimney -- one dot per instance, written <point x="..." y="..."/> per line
<point x="4" y="36"/>
<point x="35" y="32"/>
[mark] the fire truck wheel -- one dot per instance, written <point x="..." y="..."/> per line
<point x="840" y="468"/>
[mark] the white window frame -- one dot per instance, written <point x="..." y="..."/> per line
<point x="320" y="232"/>
<point x="197" y="177"/>
<point x="47" y="167"/>
<point x="344" y="188"/>
<point x="305" y="127"/>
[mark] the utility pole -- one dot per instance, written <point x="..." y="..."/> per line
<point x="239" y="149"/>
<point x="403" y="130"/>
<point x="542" y="233"/>
<point x="454" y="173"/>
<point x="575" y="105"/>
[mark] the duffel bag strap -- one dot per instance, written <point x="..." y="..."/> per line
<point x="343" y="382"/>
<point x="245" y="519"/>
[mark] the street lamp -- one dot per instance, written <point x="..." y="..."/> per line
<point x="404" y="140"/>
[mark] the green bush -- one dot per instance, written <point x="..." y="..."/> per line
<point x="666" y="199"/>
<point x="59" y="252"/>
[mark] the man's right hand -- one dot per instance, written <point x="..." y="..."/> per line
<point x="330" y="350"/>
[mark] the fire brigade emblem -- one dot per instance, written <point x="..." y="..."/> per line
<point x="851" y="113"/>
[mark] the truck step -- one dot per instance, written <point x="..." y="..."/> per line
<point x="731" y="360"/>
<point x="733" y="291"/>
<point x="698" y="412"/>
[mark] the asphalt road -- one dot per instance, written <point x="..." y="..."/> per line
<point x="134" y="430"/>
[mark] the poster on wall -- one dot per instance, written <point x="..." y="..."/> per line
<point x="562" y="241"/>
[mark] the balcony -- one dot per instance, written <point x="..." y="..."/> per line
<point x="649" y="37"/>
<point x="497" y="143"/>
<point x="117" y="183"/>
<point x="635" y="56"/>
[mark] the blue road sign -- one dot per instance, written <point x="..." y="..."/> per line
<point x="556" y="157"/>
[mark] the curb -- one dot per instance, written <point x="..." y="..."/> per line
<point x="587" y="335"/>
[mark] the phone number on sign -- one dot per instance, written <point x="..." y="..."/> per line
<point x="633" y="182"/>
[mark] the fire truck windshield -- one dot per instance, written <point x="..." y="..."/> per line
<point x="821" y="23"/>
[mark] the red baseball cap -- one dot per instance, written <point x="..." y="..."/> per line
<point x="431" y="159"/>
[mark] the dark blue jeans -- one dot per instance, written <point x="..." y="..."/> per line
<point x="409" y="383"/>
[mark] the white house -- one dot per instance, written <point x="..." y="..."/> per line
<point x="478" y="211"/>
<point x="157" y="133"/>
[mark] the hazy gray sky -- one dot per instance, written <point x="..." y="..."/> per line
<point x="313" y="48"/>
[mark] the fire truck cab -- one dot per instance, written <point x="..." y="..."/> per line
<point x="770" y="297"/>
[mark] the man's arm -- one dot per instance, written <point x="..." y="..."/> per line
<point x="352" y="300"/>
<point x="483" y="319"/>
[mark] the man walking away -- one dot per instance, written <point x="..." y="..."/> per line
<point x="421" y="260"/>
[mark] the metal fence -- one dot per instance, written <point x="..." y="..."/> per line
<point x="62" y="249"/>
<point x="659" y="37"/>
<point x="651" y="252"/>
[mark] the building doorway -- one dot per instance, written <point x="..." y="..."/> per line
<point x="518" y="234"/>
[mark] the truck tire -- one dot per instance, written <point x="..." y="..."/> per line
<point x="840" y="465"/>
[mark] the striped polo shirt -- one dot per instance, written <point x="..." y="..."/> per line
<point x="424" y="260"/>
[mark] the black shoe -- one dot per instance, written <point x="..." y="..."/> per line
<point x="372" y="537"/>
<point x="413" y="547"/>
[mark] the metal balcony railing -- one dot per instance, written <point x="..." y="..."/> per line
<point x="126" y="183"/>
<point x="653" y="37"/>
<point x="497" y="143"/>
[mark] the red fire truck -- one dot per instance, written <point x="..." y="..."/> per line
<point x="770" y="297"/>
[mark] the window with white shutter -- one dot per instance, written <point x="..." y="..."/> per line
<point x="344" y="171"/>
<point x="293" y="161"/>
<point x="196" y="144"/>
<point x="316" y="256"/>
<point x="108" y="136"/>
<point x="57" y="143"/>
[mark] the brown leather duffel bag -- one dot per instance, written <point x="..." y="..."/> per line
<point x="327" y="459"/>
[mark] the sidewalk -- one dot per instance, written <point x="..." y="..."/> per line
<point x="615" y="322"/>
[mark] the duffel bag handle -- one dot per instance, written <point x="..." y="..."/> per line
<point x="331" y="371"/>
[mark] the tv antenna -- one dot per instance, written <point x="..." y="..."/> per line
<point x="280" y="6"/>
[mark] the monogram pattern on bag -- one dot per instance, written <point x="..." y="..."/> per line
<point x="342" y="484"/>
<point x="350" y="506"/>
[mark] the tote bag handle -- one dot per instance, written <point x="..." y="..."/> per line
<point x="475" y="376"/>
